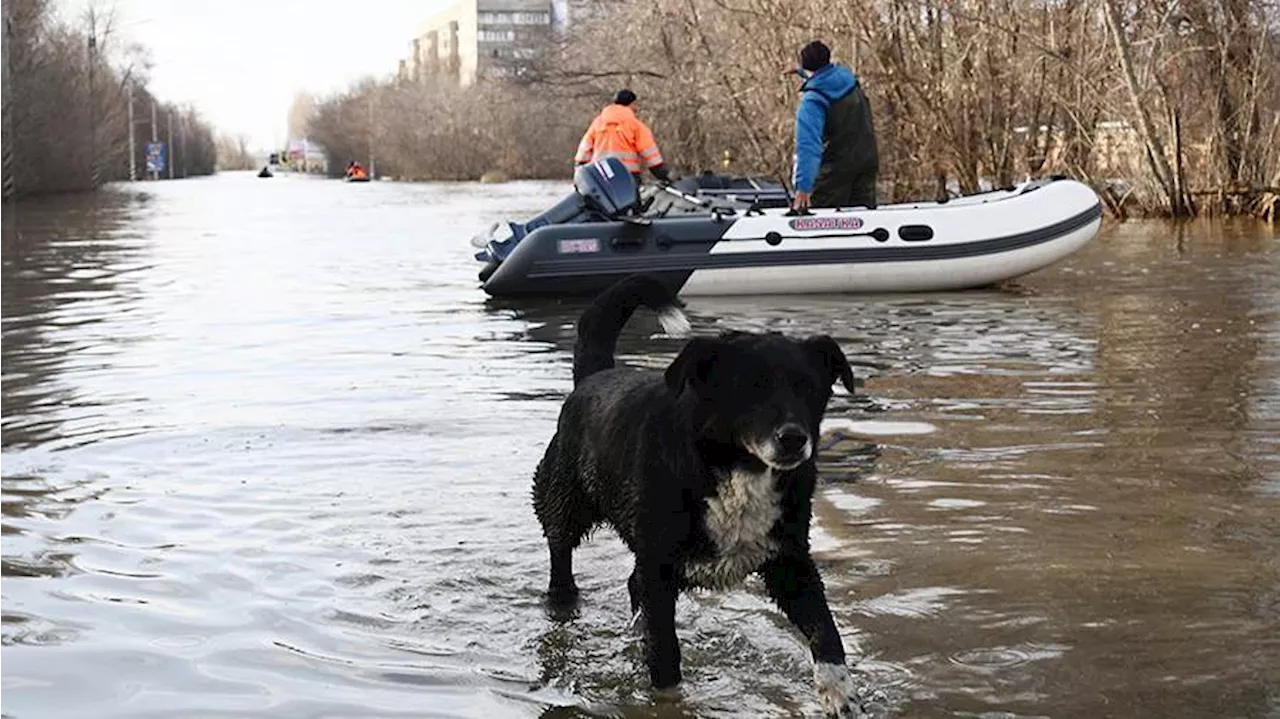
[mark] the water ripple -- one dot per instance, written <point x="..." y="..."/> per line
<point x="254" y="467"/>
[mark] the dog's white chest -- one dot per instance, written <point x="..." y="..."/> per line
<point x="738" y="521"/>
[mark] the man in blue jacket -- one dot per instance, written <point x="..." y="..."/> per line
<point x="836" y="158"/>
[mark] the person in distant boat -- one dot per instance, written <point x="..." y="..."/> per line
<point x="617" y="132"/>
<point x="836" y="163"/>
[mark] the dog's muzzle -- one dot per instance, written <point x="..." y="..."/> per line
<point x="790" y="446"/>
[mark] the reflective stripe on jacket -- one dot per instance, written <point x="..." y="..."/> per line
<point x="617" y="132"/>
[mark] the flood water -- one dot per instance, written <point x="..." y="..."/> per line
<point x="267" y="453"/>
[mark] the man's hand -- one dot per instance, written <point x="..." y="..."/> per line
<point x="802" y="200"/>
<point x="791" y="68"/>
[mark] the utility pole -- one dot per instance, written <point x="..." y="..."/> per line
<point x="10" y="188"/>
<point x="168" y="154"/>
<point x="155" y="174"/>
<point x="8" y="201"/>
<point x="133" y="145"/>
<point x="182" y="128"/>
<point x="372" y="168"/>
<point x="93" y="101"/>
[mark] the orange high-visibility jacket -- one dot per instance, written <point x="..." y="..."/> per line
<point x="617" y="132"/>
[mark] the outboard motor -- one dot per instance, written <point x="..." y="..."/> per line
<point x="600" y="188"/>
<point x="607" y="187"/>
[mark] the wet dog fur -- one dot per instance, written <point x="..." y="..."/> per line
<point x="706" y="471"/>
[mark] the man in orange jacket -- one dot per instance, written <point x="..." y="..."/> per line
<point x="617" y="132"/>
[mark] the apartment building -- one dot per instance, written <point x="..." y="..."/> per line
<point x="475" y="39"/>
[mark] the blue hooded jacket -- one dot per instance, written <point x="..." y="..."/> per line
<point x="826" y="86"/>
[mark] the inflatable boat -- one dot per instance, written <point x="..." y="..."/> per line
<point x="737" y="236"/>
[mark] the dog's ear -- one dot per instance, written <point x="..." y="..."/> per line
<point x="693" y="364"/>
<point x="831" y="357"/>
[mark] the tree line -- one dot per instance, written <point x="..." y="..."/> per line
<point x="67" y="88"/>
<point x="434" y="130"/>
<point x="1166" y="107"/>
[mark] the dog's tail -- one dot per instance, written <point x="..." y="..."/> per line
<point x="602" y="322"/>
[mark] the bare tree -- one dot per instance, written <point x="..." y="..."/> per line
<point x="438" y="131"/>
<point x="232" y="152"/>
<point x="1165" y="107"/>
<point x="66" y="95"/>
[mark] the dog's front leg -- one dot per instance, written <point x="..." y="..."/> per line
<point x="658" y="592"/>
<point x="794" y="583"/>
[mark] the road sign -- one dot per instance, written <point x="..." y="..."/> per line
<point x="156" y="156"/>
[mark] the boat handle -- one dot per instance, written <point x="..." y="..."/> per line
<point x="915" y="233"/>
<point x="629" y="242"/>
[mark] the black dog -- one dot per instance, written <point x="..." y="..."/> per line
<point x="705" y="471"/>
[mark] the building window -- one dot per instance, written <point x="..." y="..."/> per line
<point x="497" y="35"/>
<point x="513" y="18"/>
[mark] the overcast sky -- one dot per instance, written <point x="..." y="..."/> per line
<point x="241" y="61"/>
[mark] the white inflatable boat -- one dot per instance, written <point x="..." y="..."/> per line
<point x="744" y="241"/>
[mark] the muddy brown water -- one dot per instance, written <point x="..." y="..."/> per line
<point x="267" y="453"/>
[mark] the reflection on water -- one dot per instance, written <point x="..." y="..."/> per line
<point x="63" y="271"/>
<point x="267" y="453"/>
